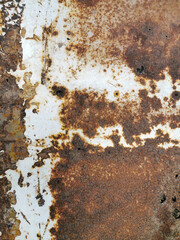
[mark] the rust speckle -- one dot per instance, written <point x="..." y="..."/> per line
<point x="146" y="39"/>
<point x="55" y="33"/>
<point x="29" y="174"/>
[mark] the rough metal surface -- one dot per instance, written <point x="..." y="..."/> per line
<point x="12" y="111"/>
<point x="90" y="102"/>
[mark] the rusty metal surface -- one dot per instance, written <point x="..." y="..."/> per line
<point x="89" y="114"/>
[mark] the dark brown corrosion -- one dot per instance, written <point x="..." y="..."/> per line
<point x="89" y="111"/>
<point x="144" y="35"/>
<point x="12" y="112"/>
<point x="9" y="229"/>
<point x="117" y="192"/>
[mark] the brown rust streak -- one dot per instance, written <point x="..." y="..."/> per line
<point x="144" y="35"/>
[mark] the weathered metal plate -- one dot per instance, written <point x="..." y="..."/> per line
<point x="89" y="114"/>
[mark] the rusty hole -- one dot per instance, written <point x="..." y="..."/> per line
<point x="140" y="70"/>
<point x="174" y="199"/>
<point x="34" y="110"/>
<point x="116" y="93"/>
<point x="176" y="95"/>
<point x="176" y="213"/>
<point x="163" y="198"/>
<point x="59" y="91"/>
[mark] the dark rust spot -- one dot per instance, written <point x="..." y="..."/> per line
<point x="55" y="33"/>
<point x="176" y="213"/>
<point x="176" y="95"/>
<point x="174" y="199"/>
<point x="60" y="92"/>
<point x="34" y="110"/>
<point x="20" y="180"/>
<point x="163" y="198"/>
<point x="40" y="199"/>
<point x="29" y="174"/>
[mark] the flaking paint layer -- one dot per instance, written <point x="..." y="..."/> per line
<point x="102" y="120"/>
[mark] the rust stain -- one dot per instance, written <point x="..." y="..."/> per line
<point x="89" y="110"/>
<point x="144" y="35"/>
<point x="114" y="192"/>
<point x="118" y="192"/>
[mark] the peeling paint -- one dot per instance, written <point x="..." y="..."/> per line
<point x="90" y="111"/>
